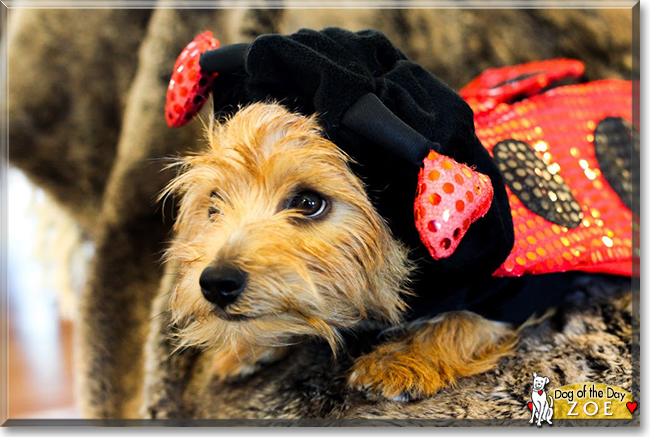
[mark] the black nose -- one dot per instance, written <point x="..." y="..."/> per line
<point x="222" y="285"/>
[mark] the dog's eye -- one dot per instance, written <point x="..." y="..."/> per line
<point x="308" y="203"/>
<point x="212" y="209"/>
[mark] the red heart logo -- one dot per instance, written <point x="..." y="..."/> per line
<point x="450" y="197"/>
<point x="631" y="406"/>
<point x="530" y="405"/>
<point x="540" y="392"/>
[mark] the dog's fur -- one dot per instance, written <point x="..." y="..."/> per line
<point x="306" y="277"/>
<point x="542" y="403"/>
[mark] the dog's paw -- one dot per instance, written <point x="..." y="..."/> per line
<point x="236" y="372"/>
<point x="238" y="363"/>
<point x="387" y="373"/>
<point x="431" y="357"/>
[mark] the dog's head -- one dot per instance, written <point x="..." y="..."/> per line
<point x="276" y="237"/>
<point x="539" y="382"/>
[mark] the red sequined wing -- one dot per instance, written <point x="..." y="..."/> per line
<point x="503" y="85"/>
<point x="565" y="156"/>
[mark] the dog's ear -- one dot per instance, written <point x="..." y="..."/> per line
<point x="546" y="379"/>
<point x="534" y="375"/>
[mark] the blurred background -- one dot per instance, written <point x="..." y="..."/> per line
<point x="40" y="338"/>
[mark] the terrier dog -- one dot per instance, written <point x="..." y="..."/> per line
<point x="277" y="241"/>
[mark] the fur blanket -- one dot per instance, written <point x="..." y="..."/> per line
<point x="86" y="123"/>
<point x="589" y="339"/>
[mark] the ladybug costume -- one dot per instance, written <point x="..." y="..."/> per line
<point x="499" y="192"/>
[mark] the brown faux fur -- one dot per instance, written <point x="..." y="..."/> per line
<point x="590" y="339"/>
<point x="86" y="123"/>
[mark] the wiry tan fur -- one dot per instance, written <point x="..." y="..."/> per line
<point x="433" y="355"/>
<point x="306" y="277"/>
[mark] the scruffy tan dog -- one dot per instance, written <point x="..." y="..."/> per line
<point x="277" y="241"/>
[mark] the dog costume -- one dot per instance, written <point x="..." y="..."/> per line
<point x="497" y="193"/>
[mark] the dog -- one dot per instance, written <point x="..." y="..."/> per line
<point x="278" y="241"/>
<point x="542" y="407"/>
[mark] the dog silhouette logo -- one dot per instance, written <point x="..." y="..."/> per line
<point x="541" y="404"/>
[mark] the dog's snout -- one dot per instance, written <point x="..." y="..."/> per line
<point x="222" y="285"/>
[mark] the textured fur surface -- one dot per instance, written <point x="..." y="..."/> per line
<point x="86" y="123"/>
<point x="588" y="339"/>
